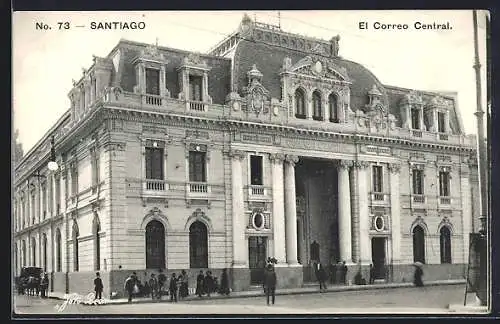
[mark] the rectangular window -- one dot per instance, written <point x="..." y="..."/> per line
<point x="94" y="162"/>
<point x="195" y="86"/>
<point x="44" y="202"/>
<point x="444" y="184"/>
<point x="153" y="81"/>
<point x="197" y="166"/>
<point x="154" y="163"/>
<point x="418" y="182"/>
<point x="33" y="210"/>
<point x="441" y="123"/>
<point x="256" y="170"/>
<point x="377" y="178"/>
<point x="415" y="118"/>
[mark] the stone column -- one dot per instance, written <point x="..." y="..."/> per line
<point x="279" y="240"/>
<point x="344" y="216"/>
<point x="309" y="106"/>
<point x="205" y="87"/>
<point x="421" y="116"/>
<point x="290" y="210"/>
<point x="394" y="170"/>
<point x="163" y="86"/>
<point x="240" y="251"/>
<point x="434" y="121"/>
<point x="326" y="109"/>
<point x="364" y="217"/>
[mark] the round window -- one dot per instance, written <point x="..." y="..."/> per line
<point x="379" y="223"/>
<point x="258" y="220"/>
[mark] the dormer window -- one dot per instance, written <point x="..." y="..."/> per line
<point x="195" y="88"/>
<point x="152" y="81"/>
<point x="332" y="104"/>
<point x="415" y="118"/>
<point x="300" y="104"/>
<point x="441" y="122"/>
<point x="316" y="98"/>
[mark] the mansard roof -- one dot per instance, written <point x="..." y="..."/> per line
<point x="125" y="75"/>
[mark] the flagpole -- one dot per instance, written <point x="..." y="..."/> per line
<point x="481" y="151"/>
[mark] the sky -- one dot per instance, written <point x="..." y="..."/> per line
<point x="46" y="61"/>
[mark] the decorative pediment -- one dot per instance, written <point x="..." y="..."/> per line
<point x="412" y="98"/>
<point x="151" y="53"/>
<point x="198" y="215"/>
<point x="257" y="96"/>
<point x="447" y="223"/>
<point x="194" y="60"/>
<point x="419" y="221"/>
<point x="317" y="67"/>
<point x="439" y="102"/>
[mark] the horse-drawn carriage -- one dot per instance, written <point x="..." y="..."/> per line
<point x="29" y="281"/>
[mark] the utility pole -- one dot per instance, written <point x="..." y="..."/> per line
<point x="483" y="179"/>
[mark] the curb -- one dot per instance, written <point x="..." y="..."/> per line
<point x="300" y="291"/>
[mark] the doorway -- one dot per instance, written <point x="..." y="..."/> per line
<point x="257" y="255"/>
<point x="378" y="257"/>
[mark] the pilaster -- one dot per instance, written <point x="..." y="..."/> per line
<point x="394" y="169"/>
<point x="278" y="208"/>
<point x="290" y="210"/>
<point x="364" y="217"/>
<point x="240" y="251"/>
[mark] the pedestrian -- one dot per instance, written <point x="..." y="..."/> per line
<point x="44" y="285"/>
<point x="372" y="274"/>
<point x="417" y="276"/>
<point x="184" y="287"/>
<point x="98" y="286"/>
<point x="173" y="288"/>
<point x="269" y="283"/>
<point x="200" y="284"/>
<point x="333" y="272"/>
<point x="208" y="283"/>
<point x="161" y="283"/>
<point x="130" y="284"/>
<point x="153" y="285"/>
<point x="224" y="283"/>
<point x="343" y="273"/>
<point x="321" y="277"/>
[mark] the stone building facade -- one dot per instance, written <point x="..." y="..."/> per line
<point x="271" y="145"/>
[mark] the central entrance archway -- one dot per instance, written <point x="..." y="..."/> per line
<point x="317" y="211"/>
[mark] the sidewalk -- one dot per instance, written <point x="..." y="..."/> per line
<point x="307" y="289"/>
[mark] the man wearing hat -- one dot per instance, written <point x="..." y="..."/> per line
<point x="269" y="282"/>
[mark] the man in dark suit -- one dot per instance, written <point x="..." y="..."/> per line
<point x="98" y="286"/>
<point x="270" y="282"/>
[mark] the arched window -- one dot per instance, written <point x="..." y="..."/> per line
<point x="33" y="252"/>
<point x="418" y="244"/>
<point x="332" y="106"/>
<point x="198" y="245"/>
<point x="23" y="253"/>
<point x="155" y="245"/>
<point x="300" y="104"/>
<point x="445" y="244"/>
<point x="58" y="251"/>
<point x="317" y="108"/>
<point x="75" y="246"/>
<point x="96" y="228"/>
<point x="44" y="251"/>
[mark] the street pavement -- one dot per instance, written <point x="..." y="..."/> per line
<point x="426" y="300"/>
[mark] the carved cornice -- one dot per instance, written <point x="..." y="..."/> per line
<point x="277" y="157"/>
<point x="394" y="167"/>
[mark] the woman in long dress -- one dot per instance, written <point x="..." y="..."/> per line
<point x="200" y="279"/>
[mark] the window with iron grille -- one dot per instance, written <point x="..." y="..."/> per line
<point x="152" y="81"/>
<point x="418" y="244"/>
<point x="198" y="245"/>
<point x="155" y="245"/>
<point x="445" y="244"/>
<point x="154" y="163"/>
